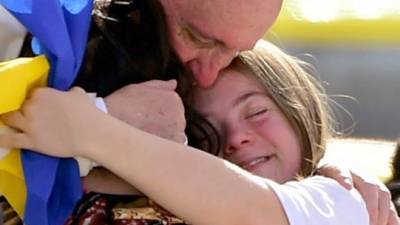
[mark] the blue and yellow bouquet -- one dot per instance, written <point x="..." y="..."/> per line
<point x="42" y="189"/>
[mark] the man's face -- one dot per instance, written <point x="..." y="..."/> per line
<point x="207" y="35"/>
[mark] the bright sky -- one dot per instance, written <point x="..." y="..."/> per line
<point x="327" y="10"/>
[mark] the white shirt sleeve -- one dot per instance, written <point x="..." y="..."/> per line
<point x="320" y="201"/>
<point x="86" y="165"/>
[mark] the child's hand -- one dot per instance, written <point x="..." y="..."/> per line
<point x="54" y="122"/>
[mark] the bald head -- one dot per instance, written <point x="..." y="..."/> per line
<point x="206" y="35"/>
<point x="240" y="22"/>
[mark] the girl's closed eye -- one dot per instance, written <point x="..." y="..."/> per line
<point x="254" y="114"/>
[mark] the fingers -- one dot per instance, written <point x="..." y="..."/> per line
<point x="393" y="217"/>
<point x="14" y="120"/>
<point x="384" y="201"/>
<point x="15" y="140"/>
<point x="77" y="90"/>
<point x="38" y="92"/>
<point x="9" y="139"/>
<point x="180" y="138"/>
<point x="377" y="198"/>
<point x="340" y="174"/>
<point x="370" y="195"/>
<point x="167" y="85"/>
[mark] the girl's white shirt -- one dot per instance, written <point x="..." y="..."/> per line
<point x="320" y="201"/>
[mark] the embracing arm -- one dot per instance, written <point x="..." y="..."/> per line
<point x="159" y="167"/>
<point x="196" y="186"/>
<point x="174" y="175"/>
<point x="203" y="189"/>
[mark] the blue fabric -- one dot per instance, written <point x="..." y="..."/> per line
<point x="53" y="188"/>
<point x="24" y="6"/>
<point x="60" y="28"/>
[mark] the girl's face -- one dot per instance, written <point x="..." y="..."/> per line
<point x="256" y="134"/>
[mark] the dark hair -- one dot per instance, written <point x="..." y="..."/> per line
<point x="201" y="133"/>
<point x="129" y="43"/>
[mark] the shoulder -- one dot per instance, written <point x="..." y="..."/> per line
<point x="319" y="200"/>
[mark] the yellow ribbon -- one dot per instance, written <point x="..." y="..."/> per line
<point x="17" y="78"/>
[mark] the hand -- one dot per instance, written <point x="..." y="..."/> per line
<point x="375" y="194"/>
<point x="55" y="123"/>
<point x="151" y="106"/>
<point x="377" y="198"/>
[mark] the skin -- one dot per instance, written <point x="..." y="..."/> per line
<point x="120" y="105"/>
<point x="202" y="36"/>
<point x="42" y="112"/>
<point x="197" y="57"/>
<point x="256" y="134"/>
<point x="205" y="36"/>
<point x="199" y="35"/>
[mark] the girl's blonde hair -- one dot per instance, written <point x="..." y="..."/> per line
<point x="297" y="93"/>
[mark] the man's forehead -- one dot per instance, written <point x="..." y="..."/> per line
<point x="227" y="39"/>
<point x="237" y="24"/>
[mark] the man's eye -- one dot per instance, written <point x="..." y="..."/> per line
<point x="198" y="40"/>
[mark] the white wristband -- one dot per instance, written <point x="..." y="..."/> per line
<point x="86" y="165"/>
<point x="100" y="104"/>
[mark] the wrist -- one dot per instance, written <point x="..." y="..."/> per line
<point x="106" y="139"/>
<point x="101" y="104"/>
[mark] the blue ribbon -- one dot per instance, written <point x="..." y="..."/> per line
<point x="60" y="28"/>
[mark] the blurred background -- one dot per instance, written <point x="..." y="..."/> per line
<point x="355" y="47"/>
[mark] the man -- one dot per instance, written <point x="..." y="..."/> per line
<point x="206" y="36"/>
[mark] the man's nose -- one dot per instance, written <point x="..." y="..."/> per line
<point x="204" y="72"/>
<point x="207" y="65"/>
